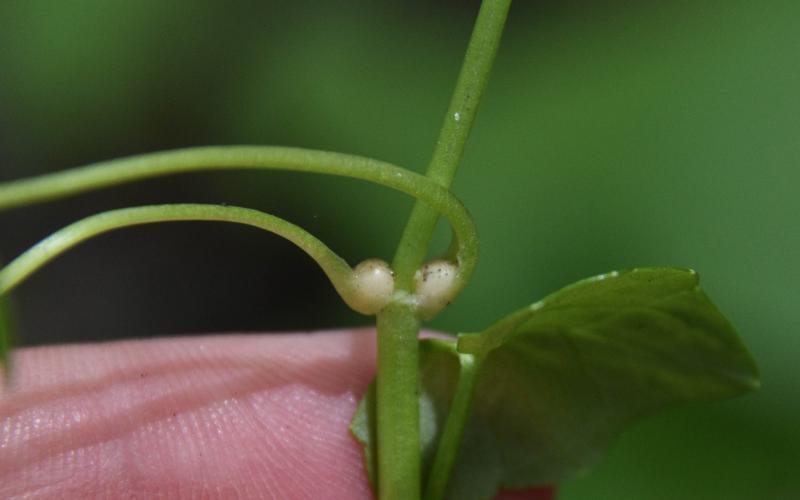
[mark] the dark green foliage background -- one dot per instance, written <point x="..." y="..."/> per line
<point x="613" y="135"/>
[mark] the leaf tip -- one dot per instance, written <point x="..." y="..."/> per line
<point x="753" y="383"/>
<point x="752" y="380"/>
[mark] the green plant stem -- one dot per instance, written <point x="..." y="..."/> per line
<point x="114" y="172"/>
<point x="449" y="443"/>
<point x="337" y="270"/>
<point x="122" y="170"/>
<point x="397" y="330"/>
<point x="453" y="135"/>
<point x="398" y="443"/>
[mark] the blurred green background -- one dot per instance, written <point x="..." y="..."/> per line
<point x="613" y="134"/>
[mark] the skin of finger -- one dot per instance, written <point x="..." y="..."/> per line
<point x="234" y="416"/>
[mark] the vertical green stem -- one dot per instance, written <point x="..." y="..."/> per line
<point x="453" y="136"/>
<point x="398" y="349"/>
<point x="449" y="443"/>
<point x="398" y="403"/>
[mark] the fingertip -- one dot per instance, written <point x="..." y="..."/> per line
<point x="248" y="415"/>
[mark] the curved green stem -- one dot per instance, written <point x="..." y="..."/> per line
<point x="450" y="442"/>
<point x="123" y="170"/>
<point x="337" y="270"/>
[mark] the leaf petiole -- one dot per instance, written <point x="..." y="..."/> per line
<point x="453" y="432"/>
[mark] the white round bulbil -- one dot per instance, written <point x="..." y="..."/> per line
<point x="435" y="286"/>
<point x="373" y="285"/>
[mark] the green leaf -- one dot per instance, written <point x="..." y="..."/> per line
<point x="565" y="376"/>
<point x="364" y="428"/>
<point x="559" y="380"/>
<point x="7" y="337"/>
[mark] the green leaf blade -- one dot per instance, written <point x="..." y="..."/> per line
<point x="7" y="335"/>
<point x="364" y="428"/>
<point x="571" y="372"/>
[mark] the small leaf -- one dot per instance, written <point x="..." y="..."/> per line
<point x="562" y="378"/>
<point x="364" y="428"/>
<point x="7" y="337"/>
<point x="565" y="376"/>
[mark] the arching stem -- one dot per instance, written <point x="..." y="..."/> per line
<point x="337" y="270"/>
<point x="114" y="172"/>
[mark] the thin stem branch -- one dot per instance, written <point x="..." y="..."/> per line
<point x="133" y="168"/>
<point x="337" y="270"/>
<point x="453" y="431"/>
